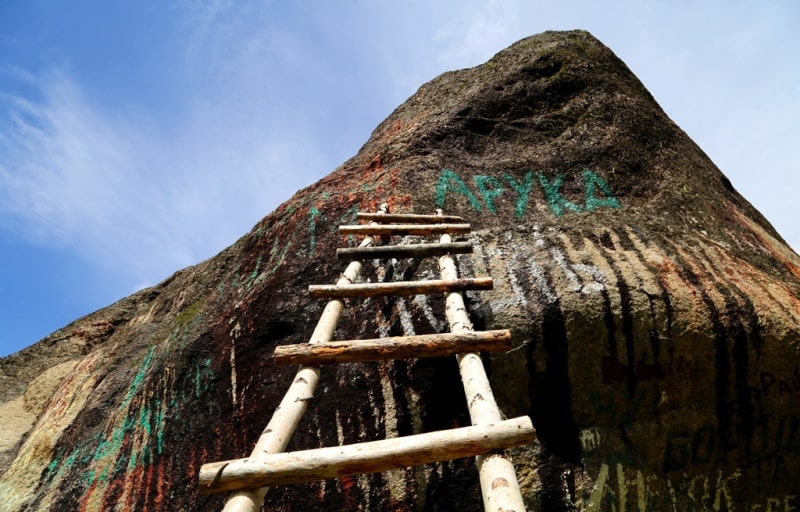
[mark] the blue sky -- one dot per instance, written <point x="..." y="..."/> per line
<point x="139" y="137"/>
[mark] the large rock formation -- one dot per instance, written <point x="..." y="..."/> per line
<point x="655" y="315"/>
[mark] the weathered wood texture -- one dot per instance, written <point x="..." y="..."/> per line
<point x="362" y="458"/>
<point x="499" y="485"/>
<point x="403" y="251"/>
<point x="323" y="291"/>
<point x="404" y="229"/>
<point x="401" y="347"/>
<point x="408" y="218"/>
<point x="284" y="420"/>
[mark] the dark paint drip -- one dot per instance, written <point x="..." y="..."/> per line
<point x="738" y="306"/>
<point x="734" y="417"/>
<point x="653" y="335"/>
<point x="668" y="311"/>
<point x="398" y="377"/>
<point x="627" y="331"/>
<point x="553" y="473"/>
<point x="721" y="365"/>
<point x="743" y="402"/>
<point x="551" y="409"/>
<point x="550" y="393"/>
<point x="457" y="488"/>
<point x="614" y="371"/>
<point x="611" y="328"/>
<point x="606" y="241"/>
<point x="625" y="242"/>
<point x="741" y="343"/>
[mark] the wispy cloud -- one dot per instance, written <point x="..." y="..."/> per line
<point x="129" y="189"/>
<point x="266" y="98"/>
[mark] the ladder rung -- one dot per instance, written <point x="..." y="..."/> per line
<point x="403" y="251"/>
<point x="403" y="229"/>
<point x="408" y="217"/>
<point x="400" y="347"/>
<point x="362" y="458"/>
<point x="331" y="291"/>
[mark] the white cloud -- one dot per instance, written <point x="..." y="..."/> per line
<point x="273" y="97"/>
<point x="129" y="193"/>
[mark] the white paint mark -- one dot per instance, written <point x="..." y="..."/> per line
<point x="599" y="490"/>
<point x="405" y="317"/>
<point x="537" y="273"/>
<point x="723" y="488"/>
<point x="382" y="323"/>
<point x="599" y="277"/>
<point x="622" y="484"/>
<point x="511" y="265"/>
<point x="422" y="302"/>
<point x="394" y="479"/>
<point x="590" y="439"/>
<point x="339" y="429"/>
<point x="234" y="334"/>
<point x="389" y="406"/>
<point x="558" y="256"/>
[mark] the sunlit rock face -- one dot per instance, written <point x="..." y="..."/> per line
<point x="655" y="317"/>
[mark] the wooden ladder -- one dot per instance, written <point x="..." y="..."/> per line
<point x="485" y="439"/>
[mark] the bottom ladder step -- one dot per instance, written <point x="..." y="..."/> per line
<point x="362" y="458"/>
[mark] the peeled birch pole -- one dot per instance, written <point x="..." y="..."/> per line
<point x="403" y="229"/>
<point x="284" y="420"/>
<point x="323" y="291"/>
<point x="408" y="217"/>
<point x="399" y="347"/>
<point x="402" y="251"/>
<point x="364" y="458"/>
<point x="499" y="485"/>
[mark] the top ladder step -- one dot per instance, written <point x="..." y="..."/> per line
<point x="403" y="229"/>
<point x="409" y="218"/>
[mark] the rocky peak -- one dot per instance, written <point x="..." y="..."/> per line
<point x="655" y="317"/>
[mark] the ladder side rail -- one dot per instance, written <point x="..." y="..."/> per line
<point x="499" y="485"/>
<point x="286" y="417"/>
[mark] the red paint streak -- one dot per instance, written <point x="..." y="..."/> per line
<point x="348" y="486"/>
<point x="767" y="241"/>
<point x="615" y="372"/>
<point x="87" y="496"/>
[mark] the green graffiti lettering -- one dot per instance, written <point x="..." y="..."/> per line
<point x="551" y="192"/>
<point x="590" y="180"/>
<point x="522" y="189"/>
<point x="273" y="254"/>
<point x="312" y="228"/>
<point x="490" y="188"/>
<point x="450" y="180"/>
<point x="348" y="218"/>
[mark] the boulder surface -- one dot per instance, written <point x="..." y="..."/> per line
<point x="655" y="316"/>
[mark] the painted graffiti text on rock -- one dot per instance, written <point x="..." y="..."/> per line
<point x="769" y="383"/>
<point x="596" y="192"/>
